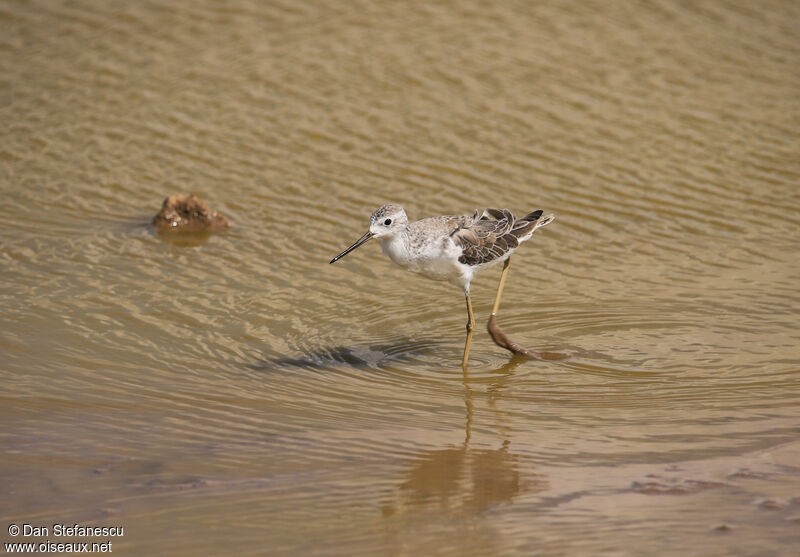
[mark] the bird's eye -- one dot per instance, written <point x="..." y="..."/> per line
<point x="387" y="222"/>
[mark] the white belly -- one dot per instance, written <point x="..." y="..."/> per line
<point x="437" y="261"/>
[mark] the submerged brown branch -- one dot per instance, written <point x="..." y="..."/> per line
<point x="502" y="340"/>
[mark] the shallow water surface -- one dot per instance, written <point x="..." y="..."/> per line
<point x="237" y="394"/>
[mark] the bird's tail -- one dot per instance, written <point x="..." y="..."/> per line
<point x="524" y="227"/>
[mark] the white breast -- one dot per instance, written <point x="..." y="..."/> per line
<point x="436" y="260"/>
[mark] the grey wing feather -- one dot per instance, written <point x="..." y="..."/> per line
<point x="485" y="240"/>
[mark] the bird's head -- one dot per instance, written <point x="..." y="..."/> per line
<point x="387" y="220"/>
<point x="384" y="222"/>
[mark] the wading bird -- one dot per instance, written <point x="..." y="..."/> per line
<point x="454" y="248"/>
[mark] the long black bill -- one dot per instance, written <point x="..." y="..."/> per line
<point x="360" y="241"/>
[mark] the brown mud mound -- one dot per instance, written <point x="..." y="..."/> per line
<point x="181" y="213"/>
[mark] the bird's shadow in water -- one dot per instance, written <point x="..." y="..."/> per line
<point x="372" y="356"/>
<point x="387" y="355"/>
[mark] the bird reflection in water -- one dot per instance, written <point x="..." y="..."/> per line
<point x="462" y="480"/>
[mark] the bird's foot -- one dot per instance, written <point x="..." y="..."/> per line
<point x="502" y="340"/>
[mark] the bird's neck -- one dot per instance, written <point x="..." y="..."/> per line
<point x="396" y="247"/>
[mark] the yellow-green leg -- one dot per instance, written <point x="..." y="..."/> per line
<point x="470" y="329"/>
<point x="499" y="294"/>
<point x="500" y="338"/>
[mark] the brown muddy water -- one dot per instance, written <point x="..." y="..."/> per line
<point x="236" y="394"/>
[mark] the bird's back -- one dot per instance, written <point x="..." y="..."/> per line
<point x="434" y="229"/>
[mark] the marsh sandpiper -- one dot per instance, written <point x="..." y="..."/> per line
<point x="454" y="248"/>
